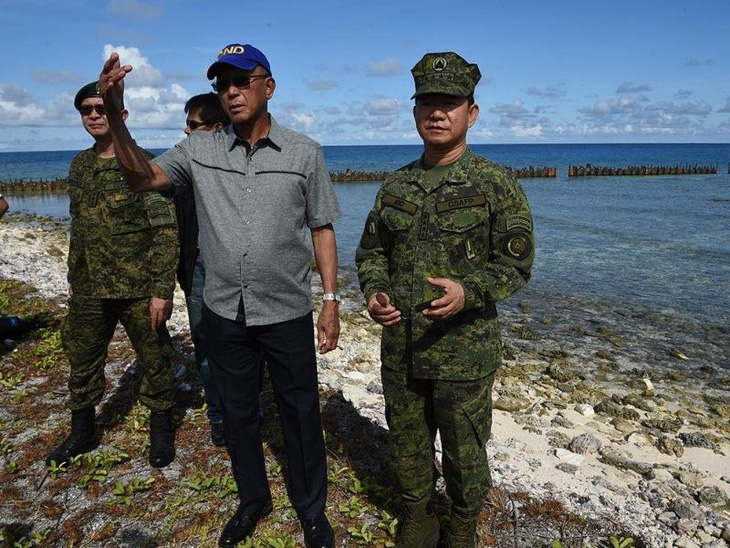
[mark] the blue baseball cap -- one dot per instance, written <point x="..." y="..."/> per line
<point x="245" y="57"/>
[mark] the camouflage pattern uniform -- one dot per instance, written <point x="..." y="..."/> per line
<point x="472" y="225"/>
<point x="123" y="250"/>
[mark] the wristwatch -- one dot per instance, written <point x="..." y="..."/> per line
<point x="331" y="297"/>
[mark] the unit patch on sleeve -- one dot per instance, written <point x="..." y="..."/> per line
<point x="517" y="246"/>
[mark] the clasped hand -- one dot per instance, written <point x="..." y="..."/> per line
<point x="450" y="303"/>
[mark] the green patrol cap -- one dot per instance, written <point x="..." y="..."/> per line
<point x="89" y="90"/>
<point x="447" y="73"/>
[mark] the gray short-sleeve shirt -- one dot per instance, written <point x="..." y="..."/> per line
<point x="255" y="210"/>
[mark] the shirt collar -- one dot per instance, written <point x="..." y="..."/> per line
<point x="274" y="138"/>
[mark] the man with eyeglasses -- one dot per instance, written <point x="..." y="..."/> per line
<point x="264" y="202"/>
<point x="204" y="113"/>
<point x="121" y="268"/>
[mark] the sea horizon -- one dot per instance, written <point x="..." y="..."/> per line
<point x="420" y="145"/>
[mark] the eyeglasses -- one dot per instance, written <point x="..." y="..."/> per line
<point x="192" y="124"/>
<point x="86" y="110"/>
<point x="238" y="81"/>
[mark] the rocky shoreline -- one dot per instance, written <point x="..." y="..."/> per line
<point x="619" y="413"/>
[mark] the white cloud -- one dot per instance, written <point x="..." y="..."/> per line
<point x="379" y="106"/>
<point x="384" y="68"/>
<point x="321" y="85"/>
<point x="630" y="87"/>
<point x="143" y="73"/>
<point x="152" y="103"/>
<point x="549" y="92"/>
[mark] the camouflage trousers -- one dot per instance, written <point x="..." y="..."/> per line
<point x="86" y="332"/>
<point x="461" y="411"/>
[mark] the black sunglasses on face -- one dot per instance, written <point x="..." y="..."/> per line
<point x="192" y="124"/>
<point x="238" y="81"/>
<point x="86" y="110"/>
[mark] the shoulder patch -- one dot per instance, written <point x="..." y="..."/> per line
<point x="369" y="237"/>
<point x="399" y="203"/>
<point x="519" y="221"/>
<point x="517" y="246"/>
<point x="159" y="210"/>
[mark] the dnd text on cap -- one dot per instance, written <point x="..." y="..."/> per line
<point x="245" y="57"/>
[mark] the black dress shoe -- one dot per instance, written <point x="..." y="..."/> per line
<point x="217" y="434"/>
<point x="162" y="439"/>
<point x="242" y="526"/>
<point x="318" y="532"/>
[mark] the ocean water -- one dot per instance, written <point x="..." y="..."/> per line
<point x="660" y="243"/>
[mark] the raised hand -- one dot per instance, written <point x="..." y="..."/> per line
<point x="111" y="83"/>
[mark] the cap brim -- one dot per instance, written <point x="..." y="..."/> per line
<point x="243" y="64"/>
<point x="439" y="87"/>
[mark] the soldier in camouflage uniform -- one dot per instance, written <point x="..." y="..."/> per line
<point x="121" y="268"/>
<point x="450" y="235"/>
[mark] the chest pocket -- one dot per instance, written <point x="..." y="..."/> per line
<point x="460" y="221"/>
<point x="397" y="213"/>
<point x="464" y="227"/>
<point x="125" y="211"/>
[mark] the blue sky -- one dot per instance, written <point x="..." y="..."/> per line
<point x="553" y="71"/>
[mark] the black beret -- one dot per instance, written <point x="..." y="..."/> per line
<point x="89" y="90"/>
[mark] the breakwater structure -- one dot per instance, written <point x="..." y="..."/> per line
<point x="589" y="170"/>
<point x="369" y="176"/>
<point x="21" y="186"/>
<point x="531" y="172"/>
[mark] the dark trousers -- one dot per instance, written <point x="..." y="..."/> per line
<point x="234" y="352"/>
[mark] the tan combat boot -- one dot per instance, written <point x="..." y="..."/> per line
<point x="461" y="531"/>
<point x="419" y="525"/>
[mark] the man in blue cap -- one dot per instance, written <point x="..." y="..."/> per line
<point x="260" y="191"/>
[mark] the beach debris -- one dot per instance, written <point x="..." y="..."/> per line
<point x="641" y="439"/>
<point x="585" y="444"/>
<point x="661" y="474"/>
<point x="649" y="386"/>
<point x="614" y="407"/>
<point x="670" y="446"/>
<point x="613" y="458"/>
<point x="624" y="426"/>
<point x="691" y="479"/>
<point x="585" y="409"/>
<point x="567" y="467"/>
<point x="511" y="403"/>
<point x="570" y="457"/>
<point x="721" y="409"/>
<point x="679" y="354"/>
<point x="525" y="332"/>
<point x="695" y="439"/>
<point x="558" y="373"/>
<point x="687" y="509"/>
<point x="666" y="425"/>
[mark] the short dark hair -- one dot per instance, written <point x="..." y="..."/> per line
<point x="209" y="107"/>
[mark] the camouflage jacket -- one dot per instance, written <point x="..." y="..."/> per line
<point x="123" y="244"/>
<point x="472" y="226"/>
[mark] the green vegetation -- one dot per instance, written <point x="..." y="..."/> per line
<point x="98" y="496"/>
